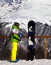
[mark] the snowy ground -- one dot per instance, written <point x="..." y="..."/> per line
<point x="24" y="62"/>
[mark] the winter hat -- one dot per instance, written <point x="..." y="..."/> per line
<point x="15" y="26"/>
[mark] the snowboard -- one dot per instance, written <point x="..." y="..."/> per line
<point x="31" y="34"/>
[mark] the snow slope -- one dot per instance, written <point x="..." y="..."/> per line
<point x="24" y="62"/>
<point x="27" y="10"/>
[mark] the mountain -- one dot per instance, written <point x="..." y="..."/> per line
<point x="35" y="10"/>
<point x="6" y="1"/>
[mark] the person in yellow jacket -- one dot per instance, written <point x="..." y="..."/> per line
<point x="14" y="42"/>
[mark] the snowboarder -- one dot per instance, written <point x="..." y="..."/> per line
<point x="14" y="42"/>
<point x="31" y="40"/>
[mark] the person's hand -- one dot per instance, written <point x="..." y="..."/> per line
<point x="20" y="35"/>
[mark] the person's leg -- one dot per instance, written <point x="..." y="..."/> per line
<point x="14" y="51"/>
